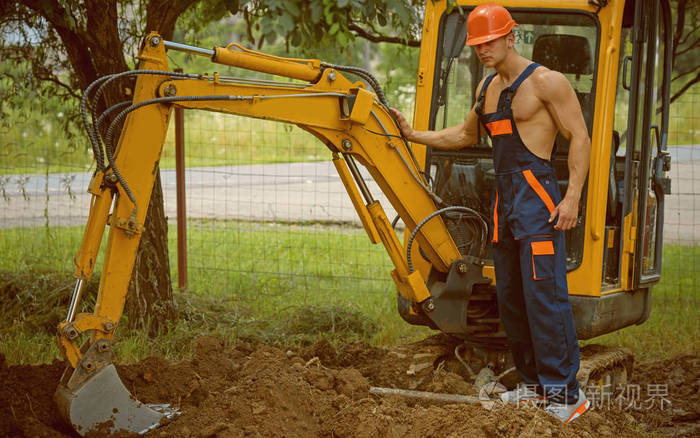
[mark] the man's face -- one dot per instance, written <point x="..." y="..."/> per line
<point x="491" y="53"/>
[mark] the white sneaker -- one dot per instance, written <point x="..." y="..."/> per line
<point x="568" y="413"/>
<point x="523" y="393"/>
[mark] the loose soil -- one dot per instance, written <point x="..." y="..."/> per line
<point x="247" y="390"/>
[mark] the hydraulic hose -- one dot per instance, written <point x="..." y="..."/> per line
<point x="94" y="140"/>
<point x="109" y="136"/>
<point x="472" y="212"/>
<point x="364" y="74"/>
<point x="93" y="131"/>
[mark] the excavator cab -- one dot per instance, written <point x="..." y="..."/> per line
<point x="616" y="56"/>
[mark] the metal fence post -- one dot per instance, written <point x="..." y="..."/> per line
<point x="180" y="196"/>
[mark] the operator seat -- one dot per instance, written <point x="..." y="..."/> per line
<point x="567" y="54"/>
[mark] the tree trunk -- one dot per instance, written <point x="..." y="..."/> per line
<point x="94" y="48"/>
<point x="149" y="302"/>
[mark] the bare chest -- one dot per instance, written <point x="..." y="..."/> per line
<point x="525" y="105"/>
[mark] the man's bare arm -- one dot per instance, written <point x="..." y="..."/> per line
<point x="455" y="137"/>
<point x="561" y="102"/>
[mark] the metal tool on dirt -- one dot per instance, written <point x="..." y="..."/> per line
<point x="430" y="396"/>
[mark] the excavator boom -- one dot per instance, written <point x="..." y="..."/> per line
<point x="348" y="119"/>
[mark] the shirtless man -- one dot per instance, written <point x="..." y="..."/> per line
<point x="522" y="107"/>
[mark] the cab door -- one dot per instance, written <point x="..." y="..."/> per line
<point x="646" y="158"/>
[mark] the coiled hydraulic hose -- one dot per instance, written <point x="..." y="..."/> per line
<point x="472" y="213"/>
<point x="86" y="104"/>
<point x="364" y="74"/>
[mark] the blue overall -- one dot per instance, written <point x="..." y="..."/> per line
<point x="530" y="257"/>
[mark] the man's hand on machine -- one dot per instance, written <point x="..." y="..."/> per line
<point x="405" y="128"/>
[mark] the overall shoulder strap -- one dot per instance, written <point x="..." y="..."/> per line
<point x="480" y="104"/>
<point x="507" y="94"/>
<point x="482" y="95"/>
<point x="524" y="75"/>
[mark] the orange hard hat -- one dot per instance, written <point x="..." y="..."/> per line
<point x="488" y="22"/>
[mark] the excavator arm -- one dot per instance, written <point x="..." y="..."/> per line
<point x="348" y="119"/>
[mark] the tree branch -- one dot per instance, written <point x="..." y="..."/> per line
<point x="688" y="84"/>
<point x="378" y="38"/>
<point x="690" y="32"/>
<point x="73" y="41"/>
<point x="689" y="48"/>
<point x="50" y="10"/>
<point x="248" y="25"/>
<point x="680" y="13"/>
<point x="685" y="73"/>
<point x="55" y="80"/>
<point x="161" y="15"/>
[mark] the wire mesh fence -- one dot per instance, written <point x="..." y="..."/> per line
<point x="269" y="221"/>
<point x="279" y="220"/>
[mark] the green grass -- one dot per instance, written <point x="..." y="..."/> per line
<point x="274" y="283"/>
<point x="673" y="328"/>
<point x="279" y="284"/>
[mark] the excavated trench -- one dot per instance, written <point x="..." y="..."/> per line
<point x="321" y="391"/>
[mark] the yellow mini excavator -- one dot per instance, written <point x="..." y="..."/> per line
<point x="616" y="55"/>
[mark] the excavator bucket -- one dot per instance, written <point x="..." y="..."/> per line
<point x="92" y="398"/>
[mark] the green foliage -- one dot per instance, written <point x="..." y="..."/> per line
<point x="38" y="131"/>
<point x="39" y="85"/>
<point x="285" y="285"/>
<point x="315" y="24"/>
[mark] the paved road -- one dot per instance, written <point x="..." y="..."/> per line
<point x="283" y="192"/>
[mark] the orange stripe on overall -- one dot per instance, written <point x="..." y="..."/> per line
<point x="495" y="220"/>
<point x="500" y="127"/>
<point x="537" y="187"/>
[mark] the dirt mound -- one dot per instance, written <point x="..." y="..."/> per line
<point x="262" y="391"/>
<point x="26" y="401"/>
<point x="669" y="396"/>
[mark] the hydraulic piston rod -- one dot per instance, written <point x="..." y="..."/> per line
<point x="236" y="55"/>
<point x="170" y="45"/>
<point x="75" y="300"/>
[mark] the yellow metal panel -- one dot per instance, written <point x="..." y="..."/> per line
<point x="489" y="272"/>
<point x="92" y="237"/>
<point x="424" y="89"/>
<point x="587" y="279"/>
<point x="363" y="106"/>
<point x="412" y="287"/>
<point x="389" y="239"/>
<point x="417" y="284"/>
<point x="554" y="4"/>
<point x="137" y="158"/>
